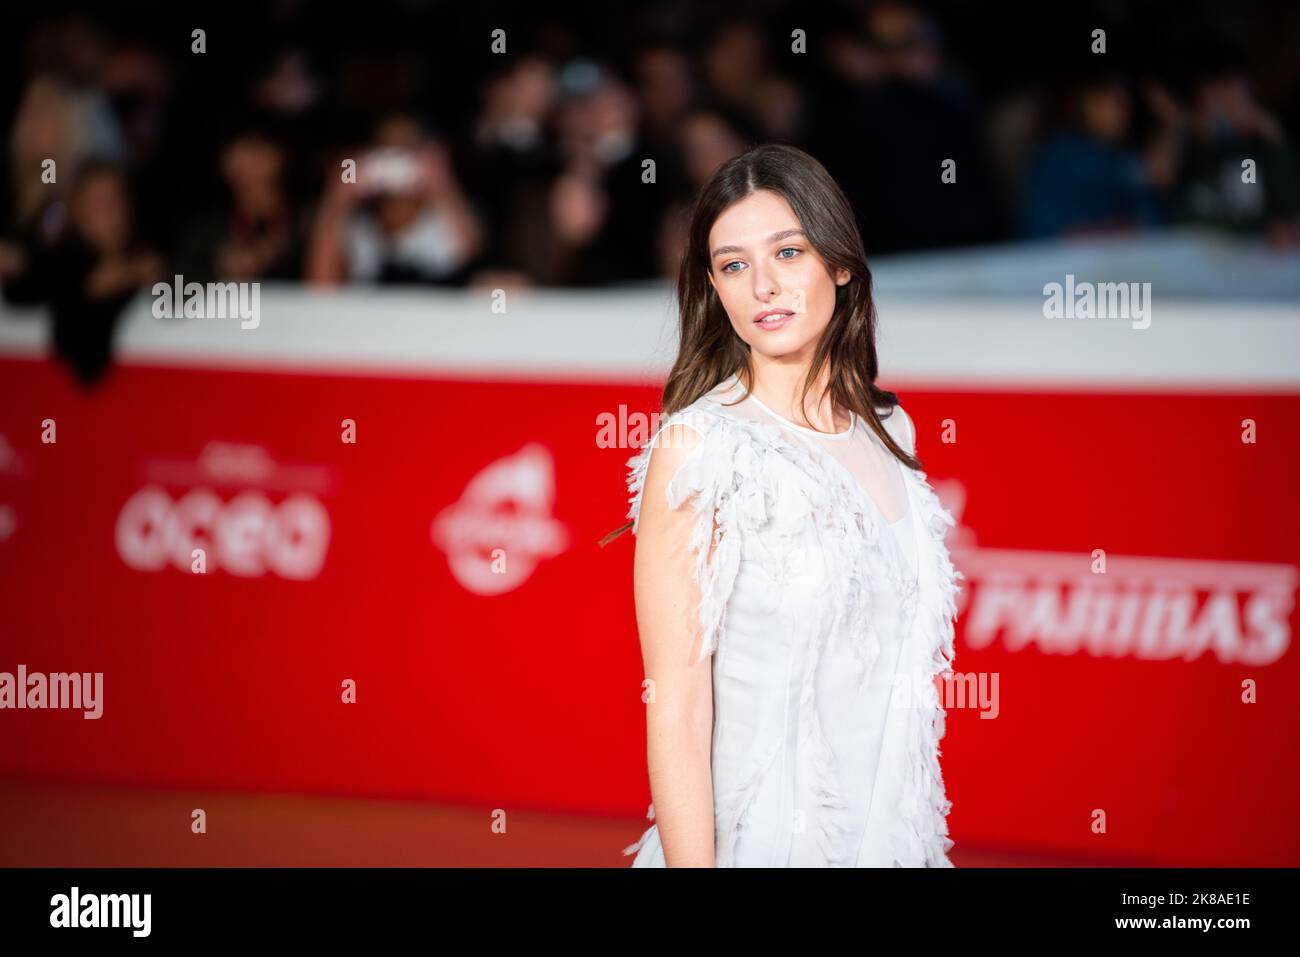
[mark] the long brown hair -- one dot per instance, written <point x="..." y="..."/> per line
<point x="709" y="349"/>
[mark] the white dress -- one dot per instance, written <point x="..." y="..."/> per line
<point x="828" y="616"/>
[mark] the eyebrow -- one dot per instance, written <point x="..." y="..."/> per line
<point x="774" y="238"/>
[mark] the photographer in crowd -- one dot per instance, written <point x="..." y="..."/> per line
<point x="403" y="218"/>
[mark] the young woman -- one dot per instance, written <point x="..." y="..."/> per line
<point x="794" y="595"/>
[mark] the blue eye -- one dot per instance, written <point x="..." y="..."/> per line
<point x="787" y="249"/>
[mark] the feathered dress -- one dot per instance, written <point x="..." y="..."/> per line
<point x="828" y="625"/>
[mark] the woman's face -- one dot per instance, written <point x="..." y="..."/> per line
<point x="761" y="260"/>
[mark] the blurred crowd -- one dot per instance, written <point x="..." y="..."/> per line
<point x="391" y="144"/>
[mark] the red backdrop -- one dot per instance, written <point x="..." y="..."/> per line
<point x="522" y="687"/>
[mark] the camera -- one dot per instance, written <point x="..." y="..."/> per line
<point x="387" y="171"/>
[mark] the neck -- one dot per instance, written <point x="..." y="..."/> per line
<point x="778" y="386"/>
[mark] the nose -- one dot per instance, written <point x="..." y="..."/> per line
<point x="765" y="285"/>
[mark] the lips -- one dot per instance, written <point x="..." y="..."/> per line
<point x="772" y="319"/>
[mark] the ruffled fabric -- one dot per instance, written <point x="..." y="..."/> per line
<point x="645" y="835"/>
<point x="925" y="842"/>
<point x="736" y="473"/>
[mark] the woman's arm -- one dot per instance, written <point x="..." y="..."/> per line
<point x="679" y="716"/>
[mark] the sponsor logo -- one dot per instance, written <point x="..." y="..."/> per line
<point x="502" y="528"/>
<point x="248" y="534"/>
<point x="1153" y="609"/>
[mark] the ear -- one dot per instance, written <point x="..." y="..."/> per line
<point x="842" y="276"/>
